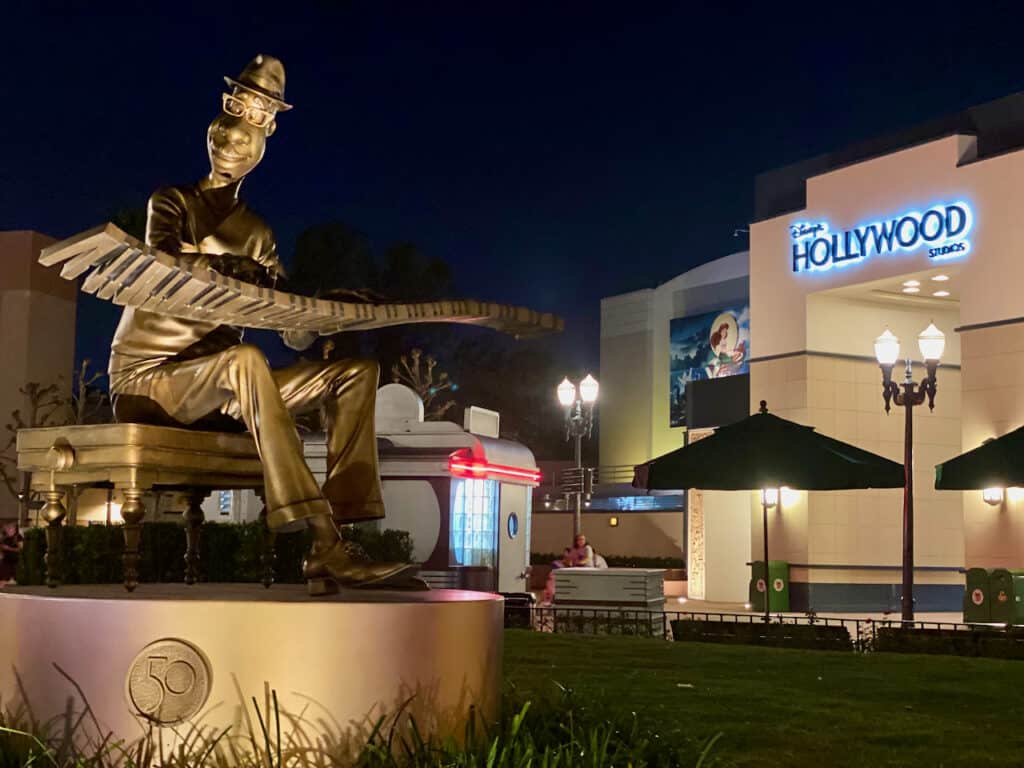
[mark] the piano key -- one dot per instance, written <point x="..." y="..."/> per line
<point x="97" y="238"/>
<point x="156" y="273"/>
<point x="180" y="295"/>
<point x="138" y="281"/>
<point x="159" y="293"/>
<point x="118" y="272"/>
<point x="79" y="262"/>
<point x="99" y="275"/>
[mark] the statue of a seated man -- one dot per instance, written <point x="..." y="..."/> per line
<point x="177" y="372"/>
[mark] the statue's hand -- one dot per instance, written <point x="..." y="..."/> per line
<point x="298" y="340"/>
<point x="241" y="268"/>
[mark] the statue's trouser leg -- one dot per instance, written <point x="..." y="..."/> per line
<point x="239" y="381"/>
<point x="346" y="391"/>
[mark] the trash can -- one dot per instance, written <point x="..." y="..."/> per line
<point x="1002" y="592"/>
<point x="517" y="609"/>
<point x="977" y="596"/>
<point x="777" y="584"/>
<point x="1018" y="597"/>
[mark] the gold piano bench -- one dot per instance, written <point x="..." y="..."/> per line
<point x="134" y="459"/>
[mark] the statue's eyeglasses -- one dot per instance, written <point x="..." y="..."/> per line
<point x="256" y="116"/>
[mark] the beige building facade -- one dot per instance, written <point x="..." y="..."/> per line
<point x="37" y="328"/>
<point x="953" y="260"/>
<point x="897" y="233"/>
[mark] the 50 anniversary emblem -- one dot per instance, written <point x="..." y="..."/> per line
<point x="169" y="681"/>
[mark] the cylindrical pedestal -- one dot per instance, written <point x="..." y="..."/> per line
<point x="196" y="656"/>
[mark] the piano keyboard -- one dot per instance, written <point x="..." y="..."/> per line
<point x="119" y="268"/>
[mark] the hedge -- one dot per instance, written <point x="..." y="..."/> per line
<point x="809" y="636"/>
<point x="616" y="561"/>
<point x="229" y="552"/>
<point x="990" y="643"/>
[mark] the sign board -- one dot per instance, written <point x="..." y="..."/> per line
<point x="942" y="232"/>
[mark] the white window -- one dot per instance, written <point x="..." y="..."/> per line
<point x="474" y="521"/>
<point x="225" y="501"/>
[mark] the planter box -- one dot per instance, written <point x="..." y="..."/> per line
<point x="635" y="589"/>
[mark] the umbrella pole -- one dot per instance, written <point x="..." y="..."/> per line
<point x="767" y="588"/>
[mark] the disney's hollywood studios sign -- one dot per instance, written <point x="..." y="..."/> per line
<point x="942" y="231"/>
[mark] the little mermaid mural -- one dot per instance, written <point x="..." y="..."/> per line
<point x="710" y="345"/>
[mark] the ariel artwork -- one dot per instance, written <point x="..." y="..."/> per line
<point x="711" y="345"/>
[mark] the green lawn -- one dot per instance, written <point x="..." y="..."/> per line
<point x="781" y="707"/>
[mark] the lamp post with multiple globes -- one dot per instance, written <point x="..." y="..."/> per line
<point x="578" y="403"/>
<point x="907" y="395"/>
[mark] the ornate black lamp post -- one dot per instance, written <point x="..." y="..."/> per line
<point x="907" y="395"/>
<point x="579" y="423"/>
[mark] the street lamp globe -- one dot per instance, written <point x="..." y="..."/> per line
<point x="769" y="497"/>
<point x="566" y="393"/>
<point x="887" y="348"/>
<point x="932" y="342"/>
<point x="588" y="390"/>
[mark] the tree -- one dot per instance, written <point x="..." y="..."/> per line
<point x="51" y="406"/>
<point x="330" y="256"/>
<point x="419" y="376"/>
<point x="517" y="379"/>
<point x="132" y="221"/>
<point x="42" y="404"/>
<point x="336" y="261"/>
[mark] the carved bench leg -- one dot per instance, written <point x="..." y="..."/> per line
<point x="268" y="555"/>
<point x="53" y="512"/>
<point x="193" y="526"/>
<point x="132" y="511"/>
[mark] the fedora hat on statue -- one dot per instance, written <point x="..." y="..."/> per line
<point x="264" y="76"/>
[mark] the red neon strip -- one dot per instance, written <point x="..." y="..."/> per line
<point x="483" y="468"/>
<point x="462" y="466"/>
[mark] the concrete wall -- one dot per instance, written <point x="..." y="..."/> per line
<point x="634" y="379"/>
<point x="993" y="404"/>
<point x="37" y="327"/>
<point x="841" y="398"/>
<point x="626" y="379"/>
<point x="650" y="534"/>
<point x="726" y="546"/>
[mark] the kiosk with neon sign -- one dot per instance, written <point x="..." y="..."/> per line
<point x="462" y="493"/>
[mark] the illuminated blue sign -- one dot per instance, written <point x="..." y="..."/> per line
<point x="942" y="230"/>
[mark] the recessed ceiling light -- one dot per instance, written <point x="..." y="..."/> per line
<point x="911" y="284"/>
<point x="911" y="289"/>
<point x="940" y="278"/>
<point x="941" y="294"/>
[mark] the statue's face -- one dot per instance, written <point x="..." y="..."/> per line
<point x="237" y="137"/>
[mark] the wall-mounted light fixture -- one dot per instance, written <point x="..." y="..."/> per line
<point x="613" y="521"/>
<point x="993" y="496"/>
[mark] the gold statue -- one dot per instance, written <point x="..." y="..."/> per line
<point x="178" y="372"/>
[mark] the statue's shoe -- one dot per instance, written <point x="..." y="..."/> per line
<point x="326" y="571"/>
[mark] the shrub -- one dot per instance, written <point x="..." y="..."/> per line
<point x="229" y="552"/>
<point x="779" y="634"/>
<point x="1008" y="644"/>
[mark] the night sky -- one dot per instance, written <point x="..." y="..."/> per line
<point x="553" y="153"/>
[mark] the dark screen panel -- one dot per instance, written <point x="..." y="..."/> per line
<point x="715" y="402"/>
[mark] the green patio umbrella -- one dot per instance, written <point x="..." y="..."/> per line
<point x="998" y="463"/>
<point x="764" y="451"/>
